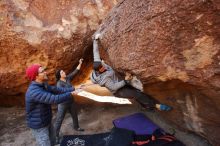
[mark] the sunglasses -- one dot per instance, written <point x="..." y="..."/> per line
<point x="42" y="69"/>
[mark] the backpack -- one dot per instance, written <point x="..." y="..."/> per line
<point x="158" y="138"/>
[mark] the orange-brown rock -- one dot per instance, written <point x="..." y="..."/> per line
<point x="173" y="46"/>
<point x="54" y="33"/>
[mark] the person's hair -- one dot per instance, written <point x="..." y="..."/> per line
<point x="57" y="74"/>
<point x="97" y="65"/>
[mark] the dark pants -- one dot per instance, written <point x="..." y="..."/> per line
<point x="62" y="109"/>
<point x="132" y="93"/>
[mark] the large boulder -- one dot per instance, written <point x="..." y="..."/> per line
<point x="173" y="46"/>
<point x="54" y="33"/>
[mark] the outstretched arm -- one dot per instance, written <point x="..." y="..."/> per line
<point x="49" y="98"/>
<point x="57" y="90"/>
<point x="114" y="86"/>
<point x="72" y="74"/>
<point x="96" y="54"/>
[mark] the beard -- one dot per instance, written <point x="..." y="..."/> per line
<point x="45" y="78"/>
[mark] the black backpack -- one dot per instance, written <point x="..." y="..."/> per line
<point x="158" y="138"/>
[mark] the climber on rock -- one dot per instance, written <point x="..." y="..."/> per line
<point x="104" y="75"/>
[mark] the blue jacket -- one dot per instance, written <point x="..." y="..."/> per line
<point x="38" y="100"/>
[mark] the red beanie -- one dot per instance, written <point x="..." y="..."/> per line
<point x="32" y="72"/>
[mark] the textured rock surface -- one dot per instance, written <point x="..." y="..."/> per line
<point x="175" y="46"/>
<point x="54" y="33"/>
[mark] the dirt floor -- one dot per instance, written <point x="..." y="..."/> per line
<point x="94" y="119"/>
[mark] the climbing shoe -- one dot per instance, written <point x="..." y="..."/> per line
<point x="164" y="107"/>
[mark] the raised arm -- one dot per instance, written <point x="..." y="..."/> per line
<point x="96" y="54"/>
<point x="72" y="74"/>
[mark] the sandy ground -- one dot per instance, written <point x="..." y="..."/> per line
<point x="94" y="119"/>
